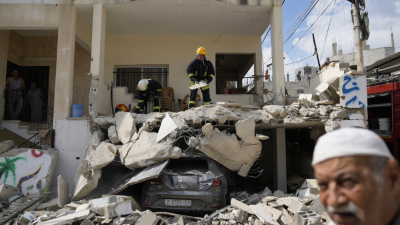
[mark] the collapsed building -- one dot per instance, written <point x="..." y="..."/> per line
<point x="128" y="149"/>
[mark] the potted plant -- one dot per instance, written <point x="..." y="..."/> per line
<point x="241" y="90"/>
<point x="233" y="90"/>
<point x="226" y="91"/>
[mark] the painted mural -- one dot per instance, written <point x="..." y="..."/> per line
<point x="27" y="171"/>
<point x="355" y="91"/>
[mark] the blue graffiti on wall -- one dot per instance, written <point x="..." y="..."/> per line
<point x="353" y="90"/>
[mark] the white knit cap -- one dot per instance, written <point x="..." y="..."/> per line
<point x="349" y="142"/>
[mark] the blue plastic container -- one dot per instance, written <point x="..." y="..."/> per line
<point x="77" y="110"/>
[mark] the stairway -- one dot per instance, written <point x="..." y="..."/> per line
<point x="23" y="129"/>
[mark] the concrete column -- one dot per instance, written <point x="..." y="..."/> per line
<point x="98" y="47"/>
<point x="277" y="54"/>
<point x="280" y="174"/>
<point x="4" y="38"/>
<point x="65" y="63"/>
<point x="334" y="48"/>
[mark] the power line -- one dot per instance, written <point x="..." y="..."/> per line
<point x="299" y="60"/>
<point x="304" y="32"/>
<point x="327" y="31"/>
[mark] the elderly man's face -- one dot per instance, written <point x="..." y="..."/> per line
<point x="352" y="194"/>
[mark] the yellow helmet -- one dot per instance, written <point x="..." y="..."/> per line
<point x="201" y="51"/>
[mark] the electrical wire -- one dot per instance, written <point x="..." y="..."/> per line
<point x="327" y="31"/>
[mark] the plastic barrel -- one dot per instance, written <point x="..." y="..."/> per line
<point x="384" y="123"/>
<point x="77" y="110"/>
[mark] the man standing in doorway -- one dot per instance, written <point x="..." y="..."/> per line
<point x="15" y="85"/>
<point x="200" y="69"/>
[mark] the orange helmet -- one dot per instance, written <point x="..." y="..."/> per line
<point x="122" y="107"/>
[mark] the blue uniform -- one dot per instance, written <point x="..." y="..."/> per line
<point x="199" y="71"/>
<point x="153" y="91"/>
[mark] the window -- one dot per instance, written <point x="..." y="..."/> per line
<point x="190" y="166"/>
<point x="130" y="76"/>
<point x="234" y="73"/>
<point x="300" y="90"/>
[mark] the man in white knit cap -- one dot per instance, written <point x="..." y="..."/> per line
<point x="359" y="179"/>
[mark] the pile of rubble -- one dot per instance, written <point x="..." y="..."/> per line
<point x="256" y="209"/>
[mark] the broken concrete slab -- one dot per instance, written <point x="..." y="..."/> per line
<point x="245" y="129"/>
<point x="167" y="126"/>
<point x="225" y="149"/>
<point x="306" y="192"/>
<point x="102" y="156"/>
<point x="147" y="218"/>
<point x="7" y="191"/>
<point x="82" y="207"/>
<point x="238" y="204"/>
<point x="317" y="206"/>
<point x="276" y="214"/>
<point x="118" y="209"/>
<point x="136" y="135"/>
<point x="63" y="192"/>
<point x="326" y="92"/>
<point x="48" y="204"/>
<point x="207" y="129"/>
<point x="37" y="165"/>
<point x="275" y="110"/>
<point x="310" y="183"/>
<point x="146" y="174"/>
<point x="6" y="146"/>
<point x="264" y="216"/>
<point x="112" y="135"/>
<point x="124" y="150"/>
<point x="86" y="184"/>
<point x="125" y="126"/>
<point x="68" y="219"/>
<point x="146" y="151"/>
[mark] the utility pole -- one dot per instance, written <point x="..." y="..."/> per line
<point x="316" y="52"/>
<point x="357" y="33"/>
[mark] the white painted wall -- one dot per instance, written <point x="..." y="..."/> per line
<point x="31" y="162"/>
<point x="370" y="56"/>
<point x="70" y="140"/>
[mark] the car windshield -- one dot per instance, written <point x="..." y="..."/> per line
<point x="187" y="166"/>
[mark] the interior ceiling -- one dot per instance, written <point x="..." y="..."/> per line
<point x="37" y="32"/>
<point x="233" y="61"/>
<point x="187" y="17"/>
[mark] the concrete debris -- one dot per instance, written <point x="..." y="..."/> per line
<point x="86" y="184"/>
<point x="125" y="126"/>
<point x="120" y="210"/>
<point x="63" y="192"/>
<point x="147" y="151"/>
<point x="327" y="92"/>
<point x="6" y="145"/>
<point x="167" y="126"/>
<point x="245" y="129"/>
<point x="112" y="135"/>
<point x="7" y="191"/>
<point x="275" y="110"/>
<point x="102" y="156"/>
<point x="225" y="149"/>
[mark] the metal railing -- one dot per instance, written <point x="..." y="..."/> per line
<point x="31" y="113"/>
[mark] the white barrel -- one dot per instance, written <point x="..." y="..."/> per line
<point x="384" y="123"/>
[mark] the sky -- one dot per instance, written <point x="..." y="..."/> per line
<point x="383" y="14"/>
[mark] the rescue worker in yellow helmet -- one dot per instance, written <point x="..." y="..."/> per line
<point x="148" y="88"/>
<point x="200" y="69"/>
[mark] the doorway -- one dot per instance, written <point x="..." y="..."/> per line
<point x="30" y="74"/>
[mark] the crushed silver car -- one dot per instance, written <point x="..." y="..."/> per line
<point x="188" y="184"/>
